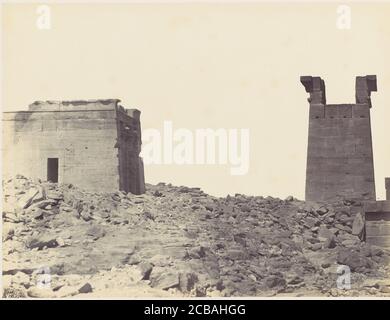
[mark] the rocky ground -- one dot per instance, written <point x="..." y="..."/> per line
<point x="60" y="241"/>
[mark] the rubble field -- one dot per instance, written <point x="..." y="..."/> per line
<point x="63" y="242"/>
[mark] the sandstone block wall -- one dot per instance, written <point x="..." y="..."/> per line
<point x="131" y="172"/>
<point x="340" y="155"/>
<point x="377" y="216"/>
<point x="83" y="135"/>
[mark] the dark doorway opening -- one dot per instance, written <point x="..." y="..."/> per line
<point x="52" y="169"/>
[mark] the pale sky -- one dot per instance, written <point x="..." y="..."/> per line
<point x="207" y="66"/>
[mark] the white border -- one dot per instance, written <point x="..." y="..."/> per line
<point x="165" y="2"/>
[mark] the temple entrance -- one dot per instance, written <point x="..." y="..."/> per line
<point x="52" y="169"/>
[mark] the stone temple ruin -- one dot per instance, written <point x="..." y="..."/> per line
<point x="94" y="144"/>
<point x="377" y="216"/>
<point x="340" y="155"/>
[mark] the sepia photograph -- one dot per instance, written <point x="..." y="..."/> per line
<point x="195" y="150"/>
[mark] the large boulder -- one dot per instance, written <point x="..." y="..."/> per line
<point x="274" y="281"/>
<point x="358" y="226"/>
<point x="165" y="280"/>
<point x="27" y="198"/>
<point x="41" y="242"/>
<point x="96" y="232"/>
<point x="355" y="260"/>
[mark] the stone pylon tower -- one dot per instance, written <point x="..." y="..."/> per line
<point x="340" y="155"/>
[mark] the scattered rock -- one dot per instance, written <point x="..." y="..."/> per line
<point x="316" y="246"/>
<point x="14" y="293"/>
<point x="343" y="227"/>
<point x="148" y="215"/>
<point x="43" y="204"/>
<point x="26" y="199"/>
<point x="54" y="195"/>
<point x="330" y="243"/>
<point x="66" y="291"/>
<point x="325" y="233"/>
<point x="157" y="193"/>
<point x="275" y="281"/>
<point x="85" y="215"/>
<point x="42" y="293"/>
<point x="358" y="226"/>
<point x="86" y="288"/>
<point x="353" y="259"/>
<point x="197" y="252"/>
<point x="60" y="242"/>
<point x="322" y="210"/>
<point x="22" y="278"/>
<point x="384" y="289"/>
<point x="237" y="254"/>
<point x="187" y="243"/>
<point x="8" y="231"/>
<point x="96" y="232"/>
<point x="165" y="281"/>
<point x="41" y="242"/>
<point x="145" y="269"/>
<point x="187" y="281"/>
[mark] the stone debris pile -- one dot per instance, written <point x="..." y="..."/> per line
<point x="60" y="241"/>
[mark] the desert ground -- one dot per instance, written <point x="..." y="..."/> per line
<point x="63" y="242"/>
